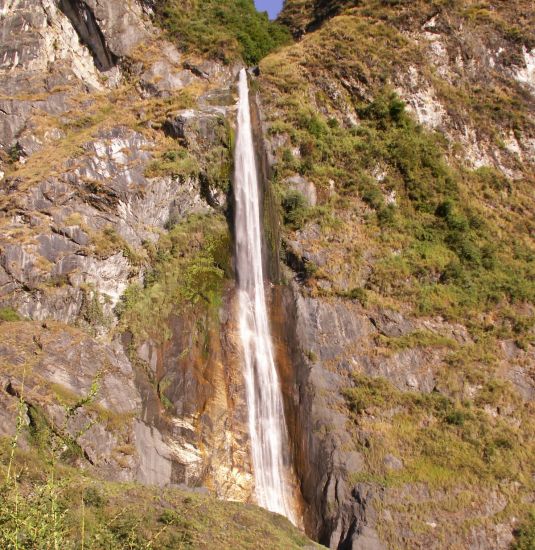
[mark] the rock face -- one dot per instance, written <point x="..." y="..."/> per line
<point x="49" y="367"/>
<point x="85" y="199"/>
<point x="111" y="137"/>
<point x="329" y="342"/>
<point x="344" y="341"/>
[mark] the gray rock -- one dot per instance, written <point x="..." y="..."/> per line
<point x="197" y="127"/>
<point x="74" y="233"/>
<point x="367" y="539"/>
<point x="155" y="466"/>
<point x="166" y="75"/>
<point x="392" y="462"/>
<point x="67" y="363"/>
<point x="108" y="29"/>
<point x="303" y="186"/>
<point x="392" y="324"/>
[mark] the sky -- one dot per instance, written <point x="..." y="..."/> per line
<point x="273" y="7"/>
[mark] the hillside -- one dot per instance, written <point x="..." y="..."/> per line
<point x="402" y="140"/>
<point x="395" y="146"/>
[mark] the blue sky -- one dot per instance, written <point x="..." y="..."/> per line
<point x="273" y="7"/>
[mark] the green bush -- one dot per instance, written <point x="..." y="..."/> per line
<point x="294" y="206"/>
<point x="223" y="29"/>
<point x="525" y="535"/>
<point x="9" y="314"/>
<point x="176" y="163"/>
<point x="190" y="265"/>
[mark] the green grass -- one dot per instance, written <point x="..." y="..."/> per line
<point x="177" y="163"/>
<point x="442" y="442"/>
<point x="8" y="314"/>
<point x="419" y="338"/>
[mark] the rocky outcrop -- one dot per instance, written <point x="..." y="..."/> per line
<point x="50" y="368"/>
<point x="86" y="196"/>
<point x="336" y="325"/>
<point x="81" y="226"/>
<point x="109" y="30"/>
<point x="84" y="22"/>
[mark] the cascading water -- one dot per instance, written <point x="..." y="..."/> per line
<point x="267" y="424"/>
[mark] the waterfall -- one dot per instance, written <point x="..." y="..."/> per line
<point x="267" y="425"/>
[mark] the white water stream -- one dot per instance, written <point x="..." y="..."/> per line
<point x="267" y="425"/>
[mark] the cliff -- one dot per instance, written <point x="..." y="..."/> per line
<point x="395" y="142"/>
<point x="402" y="144"/>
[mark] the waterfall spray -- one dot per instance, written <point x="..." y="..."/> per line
<point x="267" y="425"/>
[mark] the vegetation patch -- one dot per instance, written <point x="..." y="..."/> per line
<point x="177" y="163"/>
<point x="190" y="266"/>
<point x="441" y="238"/>
<point x="8" y="314"/>
<point x="449" y="445"/>
<point x="525" y="534"/>
<point x="226" y="30"/>
<point x="416" y="339"/>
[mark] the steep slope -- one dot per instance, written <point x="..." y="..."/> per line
<point x="99" y="162"/>
<point x="398" y="139"/>
<point x="118" y="354"/>
<point x="402" y="138"/>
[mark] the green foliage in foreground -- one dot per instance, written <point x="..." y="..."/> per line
<point x="50" y="501"/>
<point x="190" y="264"/>
<point x="59" y="512"/>
<point x="222" y="29"/>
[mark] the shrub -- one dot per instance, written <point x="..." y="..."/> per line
<point x="189" y="267"/>
<point x="175" y="163"/>
<point x="294" y="206"/>
<point x="9" y="314"/>
<point x="222" y="29"/>
<point x="456" y="418"/>
<point x="93" y="497"/>
<point x="525" y="534"/>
